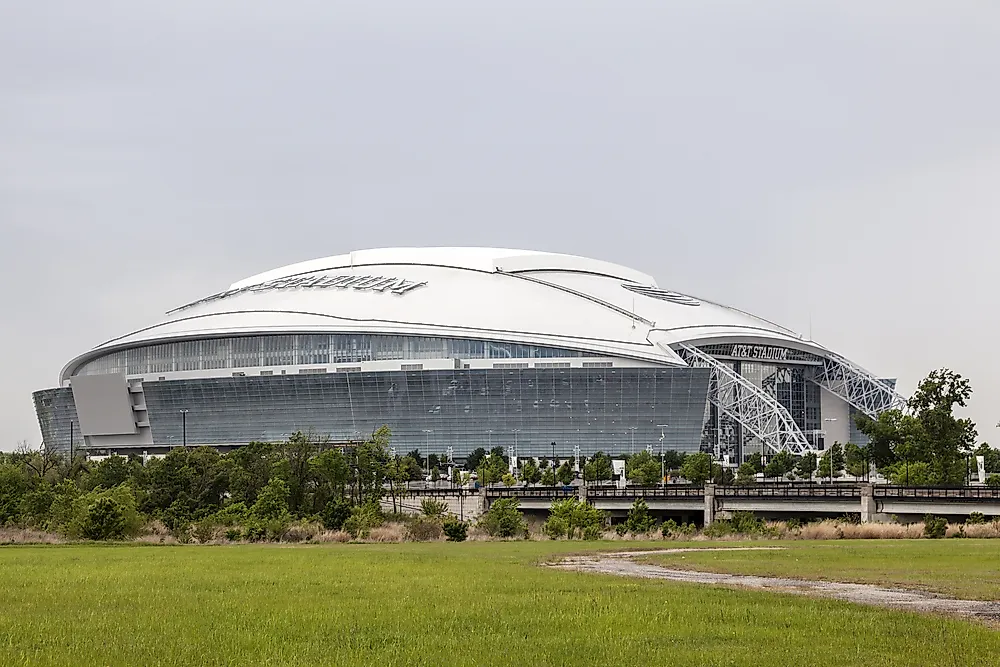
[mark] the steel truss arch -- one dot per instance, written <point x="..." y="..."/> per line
<point x="754" y="409"/>
<point x="857" y="386"/>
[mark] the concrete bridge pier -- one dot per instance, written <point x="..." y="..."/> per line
<point x="709" y="503"/>
<point x="868" y="505"/>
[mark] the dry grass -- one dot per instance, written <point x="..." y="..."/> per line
<point x="389" y="532"/>
<point x="334" y="536"/>
<point x="981" y="530"/>
<point x="29" y="536"/>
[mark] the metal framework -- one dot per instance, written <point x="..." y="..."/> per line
<point x="754" y="409"/>
<point x="858" y="387"/>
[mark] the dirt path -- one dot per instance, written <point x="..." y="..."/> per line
<point x="622" y="564"/>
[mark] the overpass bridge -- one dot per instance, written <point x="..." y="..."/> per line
<point x="777" y="500"/>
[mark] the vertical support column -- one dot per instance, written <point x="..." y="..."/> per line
<point x="483" y="505"/>
<point x="581" y="493"/>
<point x="709" y="503"/>
<point x="867" y="503"/>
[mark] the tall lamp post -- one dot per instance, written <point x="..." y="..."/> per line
<point x="184" y="426"/>
<point x="663" y="471"/>
<point x="427" y="447"/>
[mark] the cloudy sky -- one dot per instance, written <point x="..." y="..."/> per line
<point x="828" y="163"/>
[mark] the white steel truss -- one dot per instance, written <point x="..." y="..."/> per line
<point x="858" y="387"/>
<point x="754" y="409"/>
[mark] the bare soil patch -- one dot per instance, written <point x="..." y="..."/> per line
<point x="622" y="564"/>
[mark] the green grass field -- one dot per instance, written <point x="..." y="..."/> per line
<point x="968" y="569"/>
<point x="432" y="604"/>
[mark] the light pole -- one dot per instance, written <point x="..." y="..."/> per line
<point x="489" y="436"/>
<point x="184" y="426"/>
<point x="427" y="447"/>
<point x="71" y="442"/>
<point x="829" y="419"/>
<point x="663" y="471"/>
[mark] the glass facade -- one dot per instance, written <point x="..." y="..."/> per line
<point x="789" y="384"/>
<point x="616" y="410"/>
<point x="56" y="411"/>
<point x="294" y="350"/>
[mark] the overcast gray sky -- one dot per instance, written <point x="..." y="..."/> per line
<point x="834" y="161"/>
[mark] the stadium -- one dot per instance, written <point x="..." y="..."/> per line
<point x="459" y="348"/>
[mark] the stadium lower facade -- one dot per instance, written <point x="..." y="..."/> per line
<point x="459" y="348"/>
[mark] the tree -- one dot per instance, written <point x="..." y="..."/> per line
<point x="475" y="459"/>
<point x="780" y="465"/>
<point x="673" y="460"/>
<point x="697" y="468"/>
<point x="639" y="520"/>
<point x="930" y="433"/>
<point x="503" y="519"/>
<point x="806" y="465"/>
<point x="745" y="474"/>
<point x="832" y="463"/>
<point x="548" y="477"/>
<point x="642" y="468"/>
<point x="855" y="459"/>
<point x="530" y="472"/>
<point x="456" y="476"/>
<point x="598" y="468"/>
<point x="565" y="474"/>
<point x="508" y="480"/>
<point x="757" y="461"/>
<point x="570" y="516"/>
<point x="991" y="457"/>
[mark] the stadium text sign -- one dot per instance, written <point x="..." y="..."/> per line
<point x="763" y="352"/>
<point x="323" y="281"/>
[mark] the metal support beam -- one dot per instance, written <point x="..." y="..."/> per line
<point x="757" y="411"/>
<point x="858" y="387"/>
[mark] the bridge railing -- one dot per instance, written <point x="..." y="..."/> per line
<point x="531" y="492"/>
<point x="787" y="491"/>
<point x="937" y="493"/>
<point x="670" y="491"/>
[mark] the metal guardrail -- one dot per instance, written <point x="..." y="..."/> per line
<point x="433" y="493"/>
<point x="531" y="492"/>
<point x="937" y="493"/>
<point x="669" y="491"/>
<point x="814" y="491"/>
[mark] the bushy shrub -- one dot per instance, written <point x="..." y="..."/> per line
<point x="741" y="523"/>
<point x="455" y="530"/>
<point x="639" y="520"/>
<point x="569" y="516"/>
<point x="336" y="513"/>
<point x="503" y="519"/>
<point x="935" y="527"/>
<point x="104" y="520"/>
<point x="975" y="518"/>
<point x="363" y="519"/>
<point x="430" y="507"/>
<point x="424" y="529"/>
<point x="671" y="528"/>
<point x="993" y="481"/>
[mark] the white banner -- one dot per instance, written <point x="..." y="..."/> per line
<point x="981" y="464"/>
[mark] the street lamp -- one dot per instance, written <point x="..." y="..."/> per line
<point x="184" y="426"/>
<point x="427" y="447"/>
<point x="829" y="419"/>
<point x="663" y="471"/>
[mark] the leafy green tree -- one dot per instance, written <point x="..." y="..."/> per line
<point x="757" y="461"/>
<point x="598" y="468"/>
<point x="930" y="433"/>
<point x="434" y="509"/>
<point x="503" y="519"/>
<point x="991" y="457"/>
<point x="251" y="469"/>
<point x="370" y="461"/>
<point x="13" y="487"/>
<point x="111" y="472"/>
<point x="906" y="473"/>
<point x="806" y="465"/>
<point x="548" y="477"/>
<point x="475" y="459"/>
<point x="780" y="465"/>
<point x="508" y="480"/>
<point x="642" y="468"/>
<point x="832" y="462"/>
<point x="272" y="503"/>
<point x="335" y="513"/>
<point x="745" y="474"/>
<point x="330" y="474"/>
<point x="673" y="460"/>
<point x="456" y="476"/>
<point x="492" y="470"/>
<point x="570" y="516"/>
<point x="697" y="468"/>
<point x="855" y="459"/>
<point x="530" y="472"/>
<point x="639" y="520"/>
<point x="565" y="474"/>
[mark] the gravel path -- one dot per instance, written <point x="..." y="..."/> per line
<point x="621" y="563"/>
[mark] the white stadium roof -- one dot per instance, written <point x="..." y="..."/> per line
<point x="516" y="296"/>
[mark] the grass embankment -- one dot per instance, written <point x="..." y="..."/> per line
<point x="431" y="604"/>
<point x="968" y="569"/>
